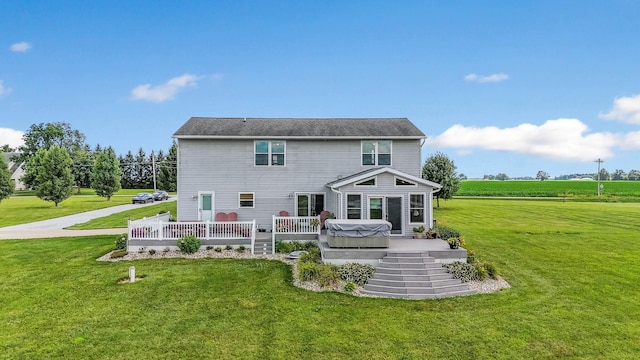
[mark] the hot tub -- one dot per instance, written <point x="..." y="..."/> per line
<point x="351" y="233"/>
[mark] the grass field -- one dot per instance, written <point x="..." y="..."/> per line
<point x="574" y="268"/>
<point x="119" y="220"/>
<point x="613" y="190"/>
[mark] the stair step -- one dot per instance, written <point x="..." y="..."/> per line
<point x="394" y="259"/>
<point x="414" y="283"/>
<point x="408" y="265"/>
<point x="420" y="296"/>
<point x="404" y="277"/>
<point x="416" y="290"/>
<point x="397" y="271"/>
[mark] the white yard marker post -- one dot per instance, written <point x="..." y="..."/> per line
<point x="132" y="273"/>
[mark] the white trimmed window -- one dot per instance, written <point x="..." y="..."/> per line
<point x="367" y="182"/>
<point x="403" y="182"/>
<point x="417" y="208"/>
<point x="354" y="206"/>
<point x="246" y="200"/>
<point x="376" y="153"/>
<point x="270" y="153"/>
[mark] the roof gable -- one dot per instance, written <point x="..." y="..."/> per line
<point x="347" y="128"/>
<point x="376" y="171"/>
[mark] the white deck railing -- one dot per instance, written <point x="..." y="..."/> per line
<point x="295" y="225"/>
<point x="219" y="230"/>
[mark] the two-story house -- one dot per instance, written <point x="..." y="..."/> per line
<point x="257" y="168"/>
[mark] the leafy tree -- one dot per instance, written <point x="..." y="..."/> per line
<point x="6" y="184"/>
<point x="604" y="175"/>
<point x="105" y="178"/>
<point x="542" y="175"/>
<point x="82" y="166"/>
<point x="489" y="177"/>
<point x="502" y="177"/>
<point x="462" y="177"/>
<point x="633" y="175"/>
<point x="6" y="148"/>
<point x="52" y="173"/>
<point x="168" y="175"/>
<point x="619" y="175"/>
<point x="44" y="136"/>
<point x="442" y="170"/>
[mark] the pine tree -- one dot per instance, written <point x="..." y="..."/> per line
<point x="167" y="177"/>
<point x="6" y="184"/>
<point x="53" y="177"/>
<point x="105" y="178"/>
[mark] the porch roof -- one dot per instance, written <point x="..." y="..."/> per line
<point x="376" y="171"/>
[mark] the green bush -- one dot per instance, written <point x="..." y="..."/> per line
<point x="285" y="247"/>
<point x="491" y="270"/>
<point x="152" y="251"/>
<point x="313" y="256"/>
<point x="121" y="242"/>
<point x="328" y="275"/>
<point x="241" y="249"/>
<point x="189" y="244"/>
<point x="209" y="247"/>
<point x="463" y="271"/>
<point x="481" y="272"/>
<point x="446" y="232"/>
<point x="349" y="286"/>
<point x="217" y="249"/>
<point x="118" y="254"/>
<point x="228" y="247"/>
<point x="471" y="256"/>
<point x="308" y="271"/>
<point x="357" y="273"/>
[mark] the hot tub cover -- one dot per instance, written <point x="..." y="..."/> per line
<point x="358" y="228"/>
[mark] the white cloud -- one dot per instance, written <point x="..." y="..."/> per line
<point x="4" y="90"/>
<point x="486" y="78"/>
<point x="631" y="140"/>
<point x="11" y="137"/>
<point x="166" y="91"/>
<point x="20" y="47"/>
<point x="625" y="109"/>
<point x="561" y="139"/>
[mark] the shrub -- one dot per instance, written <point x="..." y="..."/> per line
<point x="121" y="242"/>
<point x="481" y="272"/>
<point x="463" y="271"/>
<point x="453" y="242"/>
<point x="471" y="256"/>
<point x="228" y="247"/>
<point x="308" y="271"/>
<point x="312" y="256"/>
<point x="217" y="249"/>
<point x="189" y="244"/>
<point x="328" y="275"/>
<point x="209" y="247"/>
<point x="349" y="286"/>
<point x="118" y="254"/>
<point x="285" y="247"/>
<point x="492" y="272"/>
<point x="166" y="249"/>
<point x="446" y="232"/>
<point x="241" y="249"/>
<point x="152" y="251"/>
<point x="356" y="273"/>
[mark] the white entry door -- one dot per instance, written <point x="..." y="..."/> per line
<point x="205" y="206"/>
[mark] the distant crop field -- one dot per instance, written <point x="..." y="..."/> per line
<point x="551" y="188"/>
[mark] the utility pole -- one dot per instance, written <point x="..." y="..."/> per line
<point x="153" y="166"/>
<point x="599" y="161"/>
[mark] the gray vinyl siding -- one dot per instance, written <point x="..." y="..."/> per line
<point x="226" y="167"/>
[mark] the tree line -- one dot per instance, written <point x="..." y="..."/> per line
<point x="56" y="158"/>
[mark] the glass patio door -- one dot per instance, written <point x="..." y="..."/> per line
<point x="388" y="208"/>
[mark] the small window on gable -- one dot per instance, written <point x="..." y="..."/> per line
<point x="403" y="182"/>
<point x="368" y="182"/>
<point x="246" y="200"/>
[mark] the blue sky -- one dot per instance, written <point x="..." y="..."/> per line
<point x="499" y="86"/>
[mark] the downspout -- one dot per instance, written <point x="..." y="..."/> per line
<point x="433" y="191"/>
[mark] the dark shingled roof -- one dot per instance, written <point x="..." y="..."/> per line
<point x="199" y="127"/>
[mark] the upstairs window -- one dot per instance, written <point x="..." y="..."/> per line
<point x="269" y="153"/>
<point x="376" y="152"/>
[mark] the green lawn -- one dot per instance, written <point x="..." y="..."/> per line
<point x="574" y="268"/>
<point x="20" y="210"/>
<point x="612" y="191"/>
<point x="119" y="220"/>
